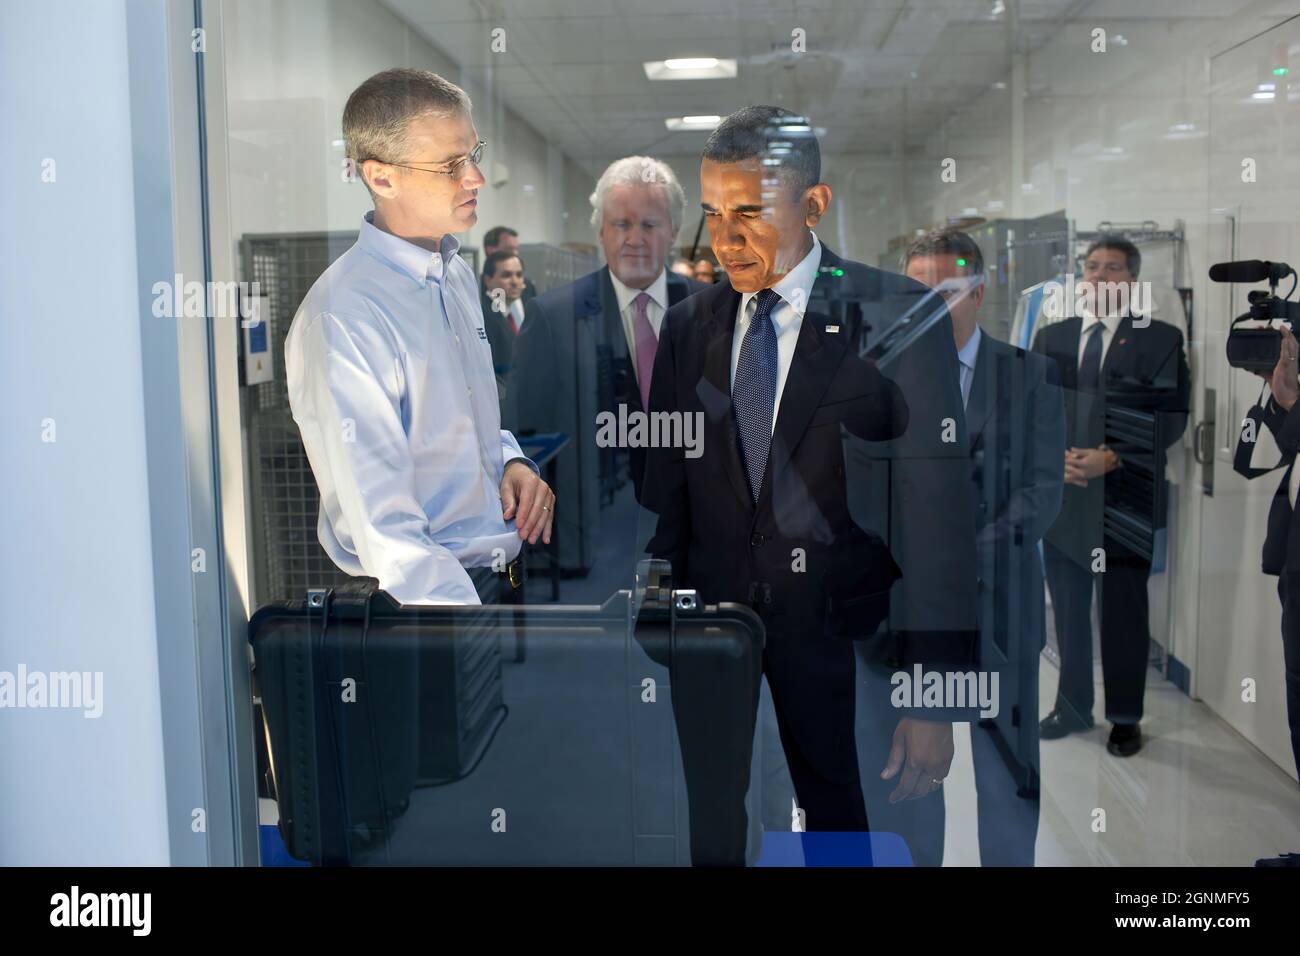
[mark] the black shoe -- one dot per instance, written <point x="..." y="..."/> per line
<point x="1125" y="740"/>
<point x="1058" y="724"/>
<point x="1286" y="859"/>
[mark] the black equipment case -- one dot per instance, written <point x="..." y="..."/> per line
<point x="494" y="735"/>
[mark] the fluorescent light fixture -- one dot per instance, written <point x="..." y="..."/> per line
<point x="677" y="123"/>
<point x="692" y="63"/>
<point x="690" y="68"/>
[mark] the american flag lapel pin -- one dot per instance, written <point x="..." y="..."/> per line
<point x="832" y="329"/>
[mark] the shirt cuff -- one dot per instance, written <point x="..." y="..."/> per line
<point x="527" y="461"/>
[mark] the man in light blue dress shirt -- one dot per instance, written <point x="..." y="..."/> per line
<point x="390" y="372"/>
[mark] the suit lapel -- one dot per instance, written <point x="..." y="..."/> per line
<point x="715" y="390"/>
<point x="981" y="389"/>
<point x="1067" y="357"/>
<point x="817" y="354"/>
<point x="1118" y="352"/>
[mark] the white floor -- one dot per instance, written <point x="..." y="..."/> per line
<point x="1197" y="794"/>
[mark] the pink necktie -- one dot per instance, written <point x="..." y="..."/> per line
<point x="645" y="342"/>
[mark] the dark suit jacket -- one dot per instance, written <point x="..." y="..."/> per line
<point x="501" y="337"/>
<point x="730" y="549"/>
<point x="1016" y="424"/>
<point x="557" y="350"/>
<point x="1144" y="367"/>
<point x="1281" y="545"/>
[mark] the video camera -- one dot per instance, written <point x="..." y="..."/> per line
<point x="1258" y="349"/>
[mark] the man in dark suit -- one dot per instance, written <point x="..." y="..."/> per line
<point x="1106" y="357"/>
<point x="768" y="359"/>
<point x="589" y="347"/>
<point x="503" y="308"/>
<point x="504" y="239"/>
<point x="1282" y="543"/>
<point x="1016" y="428"/>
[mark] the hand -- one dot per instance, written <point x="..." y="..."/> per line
<point x="922" y="750"/>
<point x="1074" y="471"/>
<point x="1091" y="462"/>
<point x="1283" y="382"/>
<point x="529" y="498"/>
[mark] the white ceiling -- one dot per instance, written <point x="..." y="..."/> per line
<point x="876" y="72"/>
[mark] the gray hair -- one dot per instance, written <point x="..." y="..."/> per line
<point x="379" y="112"/>
<point x="639" y="171"/>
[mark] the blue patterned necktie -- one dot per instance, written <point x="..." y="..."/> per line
<point x="753" y="393"/>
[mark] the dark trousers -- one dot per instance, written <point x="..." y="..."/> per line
<point x="1125" y="631"/>
<point x="1288" y="588"/>
<point x="1008" y="818"/>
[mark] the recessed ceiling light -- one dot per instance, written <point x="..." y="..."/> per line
<point x="692" y="122"/>
<point x="692" y="63"/>
<point x="690" y="68"/>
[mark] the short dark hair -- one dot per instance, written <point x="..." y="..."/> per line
<point x="777" y="137"/>
<point x="946" y="242"/>
<point x="493" y="236"/>
<point x="1110" y="241"/>
<point x="496" y="258"/>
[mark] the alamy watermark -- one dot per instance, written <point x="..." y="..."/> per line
<point x="179" y="299"/>
<point x="1065" y="300"/>
<point x="636" y="429"/>
<point x="946" y="689"/>
<point x="58" y="690"/>
<point x="75" y="908"/>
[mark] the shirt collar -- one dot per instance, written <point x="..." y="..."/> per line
<point x="405" y="256"/>
<point x="657" y="290"/>
<point x="968" y="352"/>
<point x="1111" y="322"/>
<point x="795" y="287"/>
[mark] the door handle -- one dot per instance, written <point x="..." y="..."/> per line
<point x="1200" y="452"/>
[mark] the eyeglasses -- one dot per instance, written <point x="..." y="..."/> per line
<point x="455" y="169"/>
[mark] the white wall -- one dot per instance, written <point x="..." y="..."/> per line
<point x="290" y="66"/>
<point x="75" y="516"/>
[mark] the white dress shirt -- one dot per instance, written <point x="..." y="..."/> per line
<point x="654" y="309"/>
<point x="967" y="355"/>
<point x="391" y="383"/>
<point x="795" y="290"/>
<point x="1108" y="327"/>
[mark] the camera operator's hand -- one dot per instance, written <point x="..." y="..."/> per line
<point x="1283" y="382"/>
